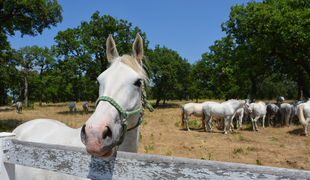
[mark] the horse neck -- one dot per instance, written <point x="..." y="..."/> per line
<point x="131" y="141"/>
<point x="237" y="104"/>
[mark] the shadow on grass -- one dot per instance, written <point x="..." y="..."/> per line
<point x="7" y="109"/>
<point x="297" y="132"/>
<point x="75" y="113"/>
<point x="168" y="105"/>
<point x="9" y="125"/>
<point x="54" y="105"/>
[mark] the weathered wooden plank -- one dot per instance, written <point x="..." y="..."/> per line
<point x="122" y="165"/>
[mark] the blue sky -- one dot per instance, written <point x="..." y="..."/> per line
<point x="188" y="27"/>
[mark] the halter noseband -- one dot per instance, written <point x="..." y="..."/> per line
<point x="127" y="113"/>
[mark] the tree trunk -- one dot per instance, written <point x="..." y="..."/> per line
<point x="157" y="102"/>
<point x="197" y="97"/>
<point x="20" y="92"/>
<point x="253" y="88"/>
<point x="40" y="98"/>
<point x="26" y="87"/>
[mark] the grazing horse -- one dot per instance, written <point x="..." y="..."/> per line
<point x="272" y="111"/>
<point x="258" y="110"/>
<point x="193" y="109"/>
<point x="85" y="106"/>
<point x="119" y="106"/>
<point x="226" y="110"/>
<point x="280" y="99"/>
<point x="303" y="114"/>
<point x="72" y="106"/>
<point x="19" y="106"/>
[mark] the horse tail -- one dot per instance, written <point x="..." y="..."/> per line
<point x="300" y="115"/>
<point x="203" y="122"/>
<point x="182" y="121"/>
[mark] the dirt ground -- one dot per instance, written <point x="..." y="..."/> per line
<point x="161" y="134"/>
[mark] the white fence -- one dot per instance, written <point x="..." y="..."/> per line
<point x="122" y="165"/>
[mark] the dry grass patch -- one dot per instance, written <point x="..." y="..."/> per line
<point x="161" y="134"/>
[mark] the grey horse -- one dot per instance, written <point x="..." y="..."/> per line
<point x="280" y="99"/>
<point x="273" y="110"/>
<point x="72" y="106"/>
<point x="85" y="106"/>
<point x="286" y="113"/>
<point x="19" y="106"/>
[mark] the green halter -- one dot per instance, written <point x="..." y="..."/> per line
<point x="128" y="113"/>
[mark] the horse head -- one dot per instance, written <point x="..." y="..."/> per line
<point x="120" y="90"/>
<point x="247" y="107"/>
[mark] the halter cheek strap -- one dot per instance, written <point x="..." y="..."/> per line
<point x="127" y="113"/>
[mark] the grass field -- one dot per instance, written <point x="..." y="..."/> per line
<point x="161" y="134"/>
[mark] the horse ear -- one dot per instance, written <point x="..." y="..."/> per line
<point x="111" y="49"/>
<point x="137" y="48"/>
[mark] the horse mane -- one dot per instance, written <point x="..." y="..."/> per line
<point x="130" y="61"/>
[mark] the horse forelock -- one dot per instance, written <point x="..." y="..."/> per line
<point x="133" y="64"/>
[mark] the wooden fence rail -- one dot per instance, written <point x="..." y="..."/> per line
<point x="123" y="165"/>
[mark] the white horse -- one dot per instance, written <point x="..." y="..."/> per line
<point x="85" y="106"/>
<point x="193" y="109"/>
<point x="72" y="106"/>
<point x="258" y="110"/>
<point x="121" y="84"/>
<point x="303" y="114"/>
<point x="239" y="116"/>
<point x="224" y="110"/>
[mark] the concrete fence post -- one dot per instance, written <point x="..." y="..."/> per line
<point x="7" y="171"/>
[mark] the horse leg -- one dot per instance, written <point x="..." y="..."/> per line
<point x="271" y="118"/>
<point x="225" y="124"/>
<point x="186" y="119"/>
<point x="210" y="123"/>
<point x="240" y="121"/>
<point x="253" y="123"/>
<point x="264" y="121"/>
<point x="206" y="120"/>
<point x="256" y="122"/>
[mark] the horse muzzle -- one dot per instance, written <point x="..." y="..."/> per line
<point x="98" y="142"/>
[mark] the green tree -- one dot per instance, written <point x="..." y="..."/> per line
<point x="274" y="31"/>
<point x="29" y="17"/>
<point x="84" y="45"/>
<point x="167" y="69"/>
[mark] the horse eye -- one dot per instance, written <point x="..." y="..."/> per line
<point x="138" y="83"/>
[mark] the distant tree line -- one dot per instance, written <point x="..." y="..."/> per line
<point x="264" y="54"/>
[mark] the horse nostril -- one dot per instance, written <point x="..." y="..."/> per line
<point x="83" y="134"/>
<point x="107" y="136"/>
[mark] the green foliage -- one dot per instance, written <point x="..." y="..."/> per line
<point x="274" y="139"/>
<point x="270" y="40"/>
<point x="177" y="124"/>
<point x="249" y="148"/>
<point x="140" y="136"/>
<point x="241" y="138"/>
<point x="282" y="145"/>
<point x="168" y="153"/>
<point x="29" y="17"/>
<point x="238" y="150"/>
<point x="194" y="123"/>
<point x="169" y="73"/>
<point x="258" y="162"/>
<point x="148" y="148"/>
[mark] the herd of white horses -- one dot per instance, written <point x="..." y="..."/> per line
<point x="230" y="109"/>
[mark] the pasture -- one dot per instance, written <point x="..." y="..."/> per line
<point x="161" y="134"/>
